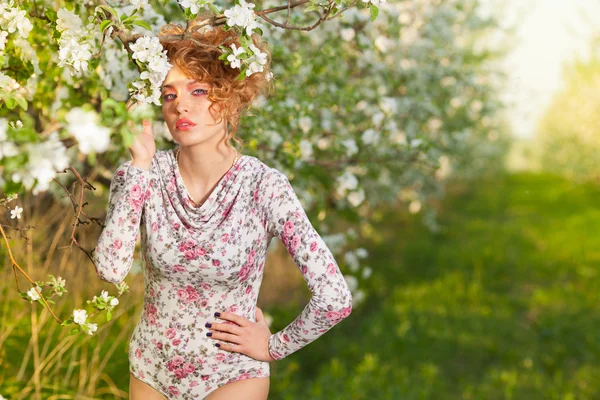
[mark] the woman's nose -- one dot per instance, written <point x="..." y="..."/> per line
<point x="180" y="106"/>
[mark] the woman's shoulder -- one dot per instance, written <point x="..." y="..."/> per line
<point x="264" y="174"/>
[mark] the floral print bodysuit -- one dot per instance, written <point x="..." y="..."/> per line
<point x="200" y="260"/>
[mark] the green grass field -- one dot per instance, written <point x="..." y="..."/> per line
<point x="502" y="304"/>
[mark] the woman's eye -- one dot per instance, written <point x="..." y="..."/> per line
<point x="167" y="98"/>
<point x="204" y="91"/>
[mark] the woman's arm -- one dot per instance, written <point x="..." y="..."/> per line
<point x="113" y="255"/>
<point x="331" y="299"/>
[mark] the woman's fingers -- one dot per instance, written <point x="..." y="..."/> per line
<point x="227" y="337"/>
<point x="230" y="328"/>
<point x="238" y="319"/>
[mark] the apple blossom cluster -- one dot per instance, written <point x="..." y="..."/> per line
<point x="139" y="4"/>
<point x="80" y="318"/>
<point x="84" y="126"/>
<point x="13" y="19"/>
<point x="75" y="45"/>
<point x="255" y="60"/>
<point x="243" y="16"/>
<point x="57" y="287"/>
<point x="44" y="159"/>
<point x="152" y="59"/>
<point x="375" y="2"/>
<point x="194" y="6"/>
<point x="347" y="186"/>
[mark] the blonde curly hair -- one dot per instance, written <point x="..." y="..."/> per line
<point x="196" y="51"/>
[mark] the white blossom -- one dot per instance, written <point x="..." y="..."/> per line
<point x="242" y="15"/>
<point x="370" y="136"/>
<point x="14" y="19"/>
<point x="79" y="316"/>
<point x="75" y="45"/>
<point x="148" y="50"/>
<point x="16" y="212"/>
<point x="90" y="328"/>
<point x="137" y="4"/>
<point x="83" y="125"/>
<point x="347" y="34"/>
<point x="305" y="123"/>
<point x="114" y="302"/>
<point x="194" y="5"/>
<point x="3" y="39"/>
<point x="33" y="294"/>
<point x="356" y="198"/>
<point x="346" y="182"/>
<point x="351" y="147"/>
<point x="233" y="59"/>
<point x="306" y="149"/>
<point x="367" y="272"/>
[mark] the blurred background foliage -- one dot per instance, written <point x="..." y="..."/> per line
<point x="478" y="282"/>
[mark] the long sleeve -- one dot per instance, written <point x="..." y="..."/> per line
<point x="331" y="299"/>
<point x="113" y="255"/>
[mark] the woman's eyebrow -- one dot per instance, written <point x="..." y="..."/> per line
<point x="190" y="83"/>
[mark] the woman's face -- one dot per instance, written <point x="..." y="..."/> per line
<point x="185" y="109"/>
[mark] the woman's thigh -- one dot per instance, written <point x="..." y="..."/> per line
<point x="246" y="389"/>
<point x="139" y="390"/>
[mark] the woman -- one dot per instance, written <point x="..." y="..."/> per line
<point x="206" y="214"/>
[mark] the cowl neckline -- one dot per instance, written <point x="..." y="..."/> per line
<point x="218" y="203"/>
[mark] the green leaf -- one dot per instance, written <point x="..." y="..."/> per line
<point x="10" y="102"/>
<point x="312" y="7"/>
<point x="110" y="10"/>
<point x="374" y="12"/>
<point x="108" y="316"/>
<point x="74" y="331"/>
<point x="22" y="102"/>
<point x="214" y="9"/>
<point x="143" y="24"/>
<point x="105" y="24"/>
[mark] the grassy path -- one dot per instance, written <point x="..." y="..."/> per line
<point x="502" y="304"/>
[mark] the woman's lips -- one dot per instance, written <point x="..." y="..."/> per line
<point x="184" y="124"/>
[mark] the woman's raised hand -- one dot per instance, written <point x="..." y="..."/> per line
<point x="143" y="147"/>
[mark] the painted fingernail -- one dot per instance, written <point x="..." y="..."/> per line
<point x="208" y="325"/>
<point x="218" y="344"/>
<point x="209" y="334"/>
<point x="217" y="314"/>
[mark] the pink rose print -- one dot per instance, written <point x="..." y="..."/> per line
<point x="204" y="377"/>
<point x="179" y="373"/>
<point x="120" y="172"/>
<point x="159" y="345"/>
<point x="220" y="357"/>
<point x="179" y="268"/>
<point x="190" y="255"/>
<point x="248" y="289"/>
<point x="117" y="244"/>
<point x="288" y="228"/>
<point x="189" y="368"/>
<point x="225" y="238"/>
<point x="183" y="295"/>
<point x="155" y="227"/>
<point x="136" y="192"/>
<point x="216" y="263"/>
<point x="285" y="338"/>
<point x="176" y="225"/>
<point x="173" y="391"/>
<point x="194" y="383"/>
<point x="251" y="256"/>
<point x="176" y="342"/>
<point x="244" y="272"/>
<point x="331" y="269"/>
<point x="178" y="360"/>
<point x="245" y="375"/>
<point x="333" y="315"/>
<point x="295" y="243"/>
<point x="314" y="246"/>
<point x="138" y="353"/>
<point x="170" y="333"/>
<point x="201" y="252"/>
